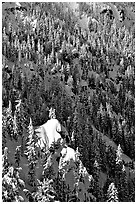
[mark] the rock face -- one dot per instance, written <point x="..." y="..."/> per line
<point x="52" y="127"/>
<point x="49" y="133"/>
<point x="68" y="154"/>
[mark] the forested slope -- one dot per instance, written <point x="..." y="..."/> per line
<point x="81" y="62"/>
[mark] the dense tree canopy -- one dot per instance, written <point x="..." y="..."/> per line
<point x="79" y="60"/>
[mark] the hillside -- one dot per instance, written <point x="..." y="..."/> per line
<point x="79" y="59"/>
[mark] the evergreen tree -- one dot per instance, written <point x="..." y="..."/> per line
<point x="111" y="161"/>
<point x="121" y="177"/>
<point x="112" y="193"/>
<point x="118" y="155"/>
<point x="97" y="190"/>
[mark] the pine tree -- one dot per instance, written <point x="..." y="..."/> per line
<point x="111" y="161"/>
<point x="97" y="190"/>
<point x="32" y="154"/>
<point x="114" y="129"/>
<point x="120" y="135"/>
<point x="112" y="193"/>
<point x="5" y="162"/>
<point x="103" y="156"/>
<point x="124" y="192"/>
<point x="17" y="155"/>
<point x="77" y="127"/>
<point x="8" y="123"/>
<point x="121" y="177"/>
<point x="119" y="154"/>
<point x="20" y="122"/>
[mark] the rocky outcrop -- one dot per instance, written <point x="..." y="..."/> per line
<point x="49" y="133"/>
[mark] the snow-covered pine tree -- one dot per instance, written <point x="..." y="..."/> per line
<point x="112" y="193"/>
<point x="5" y="162"/>
<point x="119" y="155"/>
<point x="32" y="154"/>
<point x="8" y="122"/>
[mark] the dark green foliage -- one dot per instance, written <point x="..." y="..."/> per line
<point x="97" y="190"/>
<point x="111" y="158"/>
<point x="121" y="178"/>
<point x="121" y="183"/>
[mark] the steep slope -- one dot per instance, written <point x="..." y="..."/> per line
<point x="79" y="59"/>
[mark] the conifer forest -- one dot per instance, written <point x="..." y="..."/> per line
<point x="68" y="102"/>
